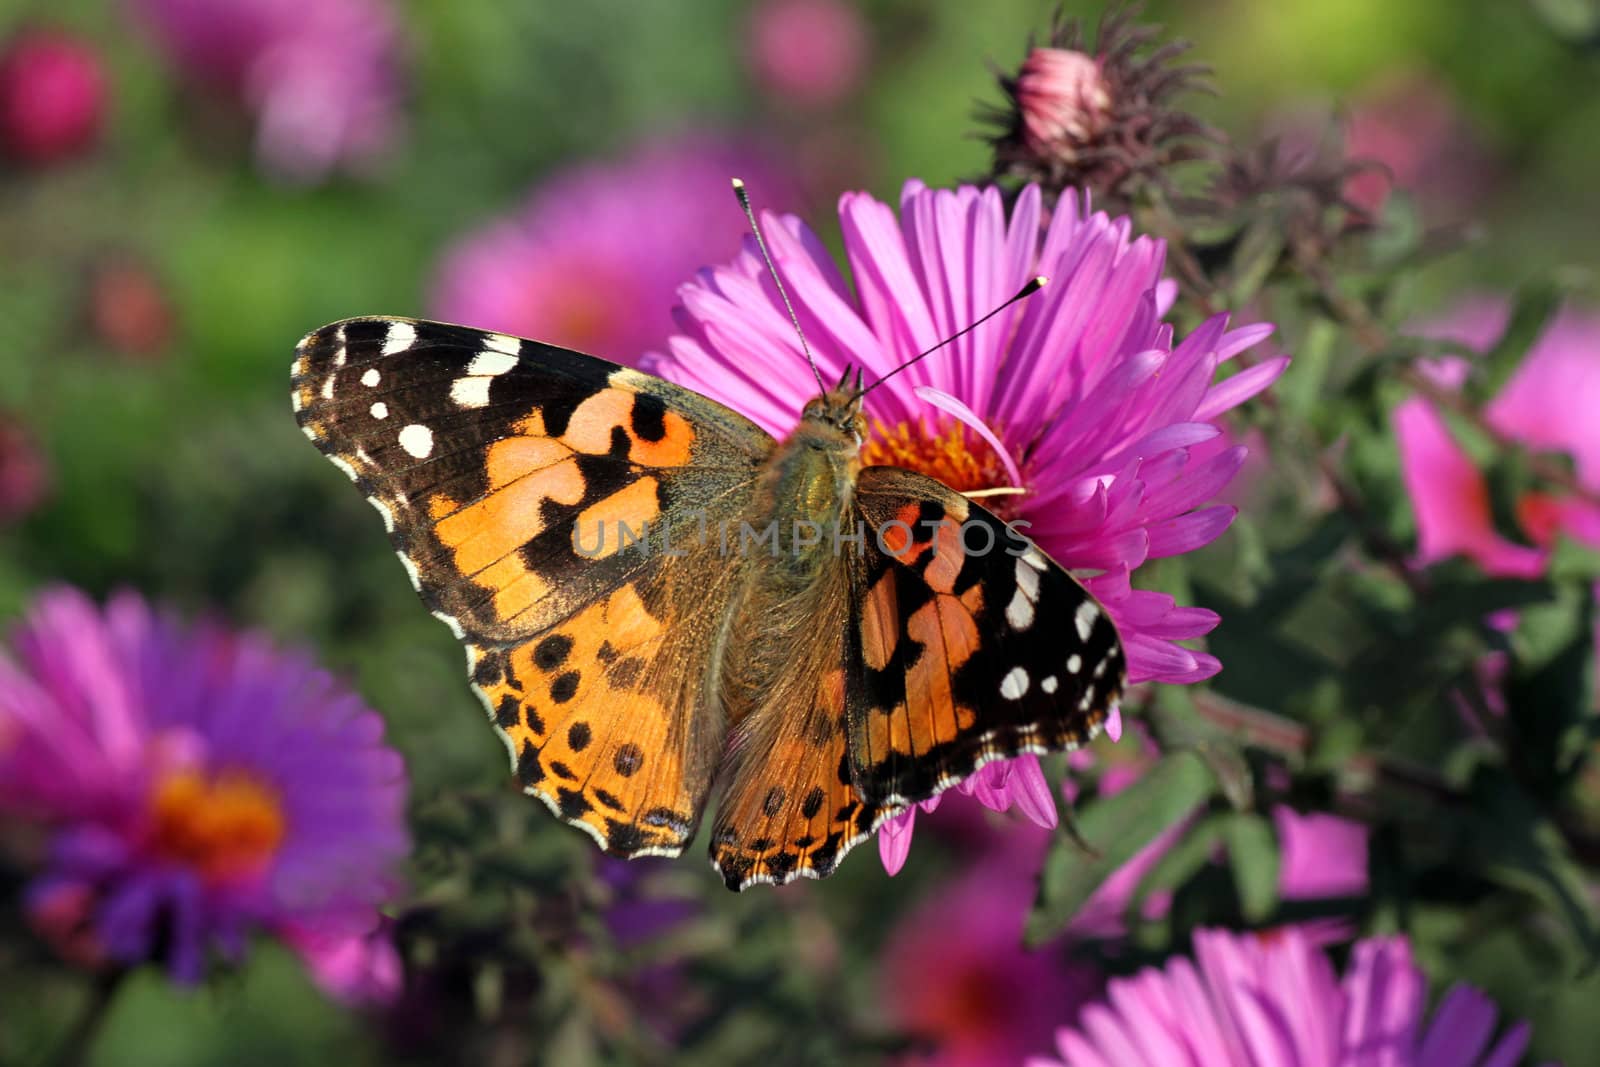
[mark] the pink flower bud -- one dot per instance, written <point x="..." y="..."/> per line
<point x="1064" y="101"/>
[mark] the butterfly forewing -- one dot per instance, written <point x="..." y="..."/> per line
<point x="495" y="462"/>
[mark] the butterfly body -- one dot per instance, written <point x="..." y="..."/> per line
<point x="659" y="599"/>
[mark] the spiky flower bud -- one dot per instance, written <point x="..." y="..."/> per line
<point x="1099" y="117"/>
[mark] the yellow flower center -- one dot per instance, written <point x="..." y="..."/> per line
<point x="950" y="453"/>
<point x="227" y="827"/>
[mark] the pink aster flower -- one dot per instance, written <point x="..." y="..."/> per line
<point x="592" y="259"/>
<point x="1274" y="1000"/>
<point x="1079" y="395"/>
<point x="197" y="786"/>
<point x="323" y="80"/>
<point x="1547" y="405"/>
<point x="52" y="96"/>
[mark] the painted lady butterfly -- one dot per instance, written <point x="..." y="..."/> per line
<point x="865" y="639"/>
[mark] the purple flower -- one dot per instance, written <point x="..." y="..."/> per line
<point x="1273" y="1000"/>
<point x="592" y="259"/>
<point x="199" y="785"/>
<point x="323" y="80"/>
<point x="1078" y="396"/>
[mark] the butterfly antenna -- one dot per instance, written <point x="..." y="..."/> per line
<point x="1033" y="286"/>
<point x="761" y="243"/>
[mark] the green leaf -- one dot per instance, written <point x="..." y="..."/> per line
<point x="1551" y="687"/>
<point x="1253" y="855"/>
<point x="1177" y="723"/>
<point x="1534" y="305"/>
<point x="1118" y="826"/>
<point x="1516" y="846"/>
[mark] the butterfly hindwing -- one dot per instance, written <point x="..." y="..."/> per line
<point x="504" y="470"/>
<point x="788" y="807"/>
<point x="971" y="644"/>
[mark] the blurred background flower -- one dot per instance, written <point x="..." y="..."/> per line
<point x="52" y="96"/>
<point x="24" y="471"/>
<point x="807" y="53"/>
<point x="1546" y="406"/>
<point x="323" y="82"/>
<point x="592" y="260"/>
<point x="197" y="787"/>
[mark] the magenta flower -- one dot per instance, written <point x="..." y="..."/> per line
<point x="52" y="96"/>
<point x="1079" y="395"/>
<point x="322" y="80"/>
<point x="806" y="53"/>
<point x="954" y="975"/>
<point x="1547" y="405"/>
<point x="592" y="259"/>
<point x="198" y="786"/>
<point x="1273" y="1000"/>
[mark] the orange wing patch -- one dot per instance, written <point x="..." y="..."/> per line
<point x="795" y="813"/>
<point x="588" y="736"/>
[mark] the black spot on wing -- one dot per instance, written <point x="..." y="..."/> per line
<point x="649" y="421"/>
<point x="552" y="651"/>
<point x="628" y="759"/>
<point x="529" y="770"/>
<point x="579" y="736"/>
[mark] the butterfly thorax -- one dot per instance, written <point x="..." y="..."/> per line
<point x="802" y="525"/>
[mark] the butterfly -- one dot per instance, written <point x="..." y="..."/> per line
<point x="658" y="598"/>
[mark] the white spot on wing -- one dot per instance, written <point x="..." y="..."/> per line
<point x="1074" y="663"/>
<point x="511" y="346"/>
<point x="371" y="377"/>
<point x="470" y="392"/>
<point x="417" y="440"/>
<point x="380" y="410"/>
<point x="327" y="388"/>
<point x="1028" y="579"/>
<point x="492" y="363"/>
<point x="1087" y="614"/>
<point x="398" y="339"/>
<point x="1019" y="613"/>
<point x="1050" y="685"/>
<point x="1014" y="684"/>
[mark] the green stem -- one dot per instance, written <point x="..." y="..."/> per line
<point x="74" y="1050"/>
